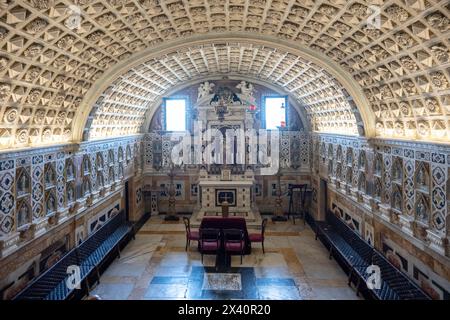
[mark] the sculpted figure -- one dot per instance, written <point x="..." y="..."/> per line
<point x="246" y="88"/>
<point x="23" y="216"/>
<point x="50" y="204"/>
<point x="205" y="89"/>
<point x="70" y="194"/>
<point x="23" y="184"/>
<point x="421" y="211"/>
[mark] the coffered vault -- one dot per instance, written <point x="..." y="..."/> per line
<point x="52" y="72"/>
<point x="120" y="110"/>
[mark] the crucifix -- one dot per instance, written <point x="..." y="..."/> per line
<point x="225" y="198"/>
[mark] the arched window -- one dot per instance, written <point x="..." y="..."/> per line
<point x="175" y="111"/>
<point x="274" y="112"/>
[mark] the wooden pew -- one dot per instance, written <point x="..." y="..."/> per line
<point x="89" y="256"/>
<point x="357" y="255"/>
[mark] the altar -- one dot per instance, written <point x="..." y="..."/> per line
<point x="225" y="174"/>
<point x="236" y="191"/>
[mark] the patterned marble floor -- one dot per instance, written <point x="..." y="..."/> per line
<point x="156" y="266"/>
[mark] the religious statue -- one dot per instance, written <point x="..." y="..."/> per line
<point x="362" y="183"/>
<point x="70" y="170"/>
<point x="23" y="184"/>
<point x="99" y="162"/>
<point x="377" y="189"/>
<point x="397" y="200"/>
<point x="421" y="181"/>
<point x="421" y="211"/>
<point x="70" y="194"/>
<point x="246" y="88"/>
<point x="349" y="176"/>
<point x="363" y="161"/>
<point x="398" y="173"/>
<point x="204" y="89"/>
<point x="85" y="187"/>
<point x="111" y="174"/>
<point x="338" y="171"/>
<point x="100" y="180"/>
<point x="49" y="176"/>
<point x="378" y="165"/>
<point x="50" y="204"/>
<point x="22" y="217"/>
<point x="86" y="164"/>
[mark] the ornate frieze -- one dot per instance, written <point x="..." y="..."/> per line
<point x="39" y="188"/>
<point x="410" y="183"/>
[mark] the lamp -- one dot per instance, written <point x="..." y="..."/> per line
<point x="171" y="216"/>
<point x="279" y="215"/>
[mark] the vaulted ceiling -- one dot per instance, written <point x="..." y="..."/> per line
<point x="53" y="70"/>
<point x="122" y="108"/>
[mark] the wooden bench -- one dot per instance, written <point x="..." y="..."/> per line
<point x="88" y="256"/>
<point x="357" y="255"/>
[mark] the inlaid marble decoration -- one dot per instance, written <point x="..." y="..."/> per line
<point x="350" y="218"/>
<point x="408" y="179"/>
<point x="138" y="195"/>
<point x="7" y="201"/>
<point x="222" y="281"/>
<point x="36" y="184"/>
<point x="438" y="196"/>
<point x="436" y="286"/>
<point x="409" y="166"/>
<point x="102" y="217"/>
<point x="38" y="189"/>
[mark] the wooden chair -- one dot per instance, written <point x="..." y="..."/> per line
<point x="209" y="240"/>
<point x="259" y="237"/>
<point x="190" y="235"/>
<point x="234" y="241"/>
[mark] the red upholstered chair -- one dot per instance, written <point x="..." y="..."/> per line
<point x="259" y="237"/>
<point x="190" y="235"/>
<point x="234" y="241"/>
<point x="209" y="241"/>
